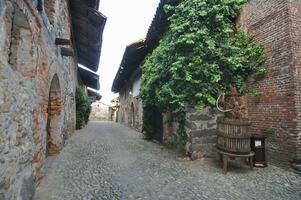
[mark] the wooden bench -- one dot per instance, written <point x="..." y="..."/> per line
<point x="225" y="156"/>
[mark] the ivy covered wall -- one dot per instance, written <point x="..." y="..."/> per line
<point x="200" y="56"/>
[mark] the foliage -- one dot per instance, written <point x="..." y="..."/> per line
<point x="148" y="124"/>
<point x="172" y="141"/>
<point x="152" y="121"/>
<point x="200" y="56"/>
<point x="83" y="108"/>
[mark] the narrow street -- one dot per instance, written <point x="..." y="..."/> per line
<point x="110" y="161"/>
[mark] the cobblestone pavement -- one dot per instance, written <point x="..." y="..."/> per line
<point x="110" y="161"/>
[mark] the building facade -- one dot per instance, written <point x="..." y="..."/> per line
<point x="276" y="113"/>
<point x="100" y="112"/>
<point x="39" y="56"/>
<point x="127" y="82"/>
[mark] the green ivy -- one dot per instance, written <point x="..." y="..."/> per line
<point x="200" y="56"/>
<point x="83" y="108"/>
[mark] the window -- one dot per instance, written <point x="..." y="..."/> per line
<point x="136" y="87"/>
<point x="21" y="45"/>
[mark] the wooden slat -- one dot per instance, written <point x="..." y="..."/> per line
<point x="67" y="51"/>
<point x="62" y="41"/>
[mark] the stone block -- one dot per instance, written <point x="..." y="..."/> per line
<point x="5" y="107"/>
<point x="1" y="193"/>
<point x="27" y="187"/>
<point x="197" y="155"/>
<point x="25" y="157"/>
<point x="200" y="117"/>
<point x="190" y="125"/>
<point x="203" y="133"/>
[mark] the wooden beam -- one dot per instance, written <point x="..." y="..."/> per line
<point x="62" y="41"/>
<point x="67" y="51"/>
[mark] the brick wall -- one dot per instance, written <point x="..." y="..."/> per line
<point x="275" y="113"/>
<point x="295" y="27"/>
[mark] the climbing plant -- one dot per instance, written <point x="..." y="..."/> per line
<point x="83" y="108"/>
<point x="200" y="55"/>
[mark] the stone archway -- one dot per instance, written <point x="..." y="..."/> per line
<point x="132" y="115"/>
<point x="55" y="105"/>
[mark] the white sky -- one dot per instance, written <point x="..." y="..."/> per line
<point x="127" y="22"/>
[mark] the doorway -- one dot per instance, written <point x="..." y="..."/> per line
<point x="54" y="117"/>
<point x="132" y="116"/>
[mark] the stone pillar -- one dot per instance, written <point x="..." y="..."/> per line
<point x="200" y="128"/>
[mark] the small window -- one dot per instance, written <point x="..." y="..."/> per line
<point x="136" y="88"/>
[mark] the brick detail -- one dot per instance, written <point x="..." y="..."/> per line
<point x="275" y="113"/>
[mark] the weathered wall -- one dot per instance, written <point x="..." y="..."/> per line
<point x="276" y="113"/>
<point x="100" y="112"/>
<point x="130" y="110"/>
<point x="200" y="128"/>
<point x="295" y="26"/>
<point x="29" y="60"/>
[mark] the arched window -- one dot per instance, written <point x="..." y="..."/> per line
<point x="49" y="6"/>
<point x="21" y="48"/>
<point x="53" y="145"/>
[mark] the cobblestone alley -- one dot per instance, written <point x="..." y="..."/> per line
<point x="110" y="161"/>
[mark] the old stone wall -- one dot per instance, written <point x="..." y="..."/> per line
<point x="200" y="127"/>
<point x="276" y="113"/>
<point x="37" y="86"/>
<point x="100" y="112"/>
<point x="130" y="110"/>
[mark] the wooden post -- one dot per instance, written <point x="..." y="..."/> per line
<point x="225" y="164"/>
<point x="62" y="41"/>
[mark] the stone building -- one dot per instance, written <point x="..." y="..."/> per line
<point x="41" y="45"/>
<point x="276" y="113"/>
<point x="127" y="80"/>
<point x="127" y="83"/>
<point x="100" y="112"/>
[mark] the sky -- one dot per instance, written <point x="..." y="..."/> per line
<point x="127" y="22"/>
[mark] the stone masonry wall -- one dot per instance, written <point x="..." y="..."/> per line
<point x="130" y="110"/>
<point x="99" y="112"/>
<point x="29" y="60"/>
<point x="200" y="128"/>
<point x="276" y="113"/>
